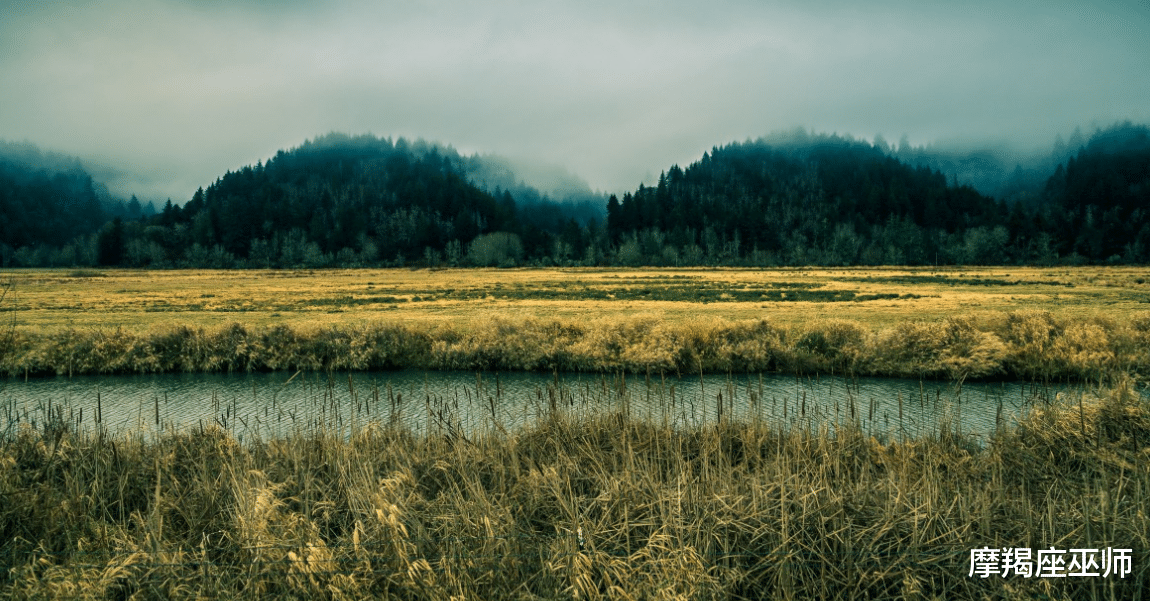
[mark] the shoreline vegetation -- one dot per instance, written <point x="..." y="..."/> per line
<point x="974" y="323"/>
<point x="1024" y="344"/>
<point x="579" y="504"/>
<point x="602" y="505"/>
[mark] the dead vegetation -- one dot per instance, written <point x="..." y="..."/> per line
<point x="587" y="506"/>
<point x="592" y="506"/>
<point x="1031" y="345"/>
<point x="55" y="300"/>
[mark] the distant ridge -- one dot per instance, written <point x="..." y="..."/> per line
<point x="792" y="198"/>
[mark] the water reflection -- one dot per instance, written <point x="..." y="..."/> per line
<point x="269" y="404"/>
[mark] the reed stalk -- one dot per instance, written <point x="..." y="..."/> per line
<point x="606" y="504"/>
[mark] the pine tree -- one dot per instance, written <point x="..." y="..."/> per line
<point x="110" y="243"/>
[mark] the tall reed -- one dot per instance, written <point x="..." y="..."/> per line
<point x="575" y="505"/>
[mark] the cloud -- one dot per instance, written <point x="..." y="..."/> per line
<point x="184" y="90"/>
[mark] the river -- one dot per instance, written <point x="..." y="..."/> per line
<point x="262" y="405"/>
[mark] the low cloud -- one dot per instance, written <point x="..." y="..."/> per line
<point x="181" y="91"/>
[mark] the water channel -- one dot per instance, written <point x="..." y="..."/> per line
<point x="262" y="405"/>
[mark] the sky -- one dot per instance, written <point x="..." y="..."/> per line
<point x="167" y="95"/>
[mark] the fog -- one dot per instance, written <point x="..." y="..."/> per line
<point x="170" y="94"/>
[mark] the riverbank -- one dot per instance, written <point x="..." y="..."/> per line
<point x="575" y="507"/>
<point x="1024" y="345"/>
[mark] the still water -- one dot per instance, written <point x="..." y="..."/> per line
<point x="262" y="405"/>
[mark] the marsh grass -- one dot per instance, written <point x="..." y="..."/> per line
<point x="86" y="273"/>
<point x="54" y="300"/>
<point x="1032" y="345"/>
<point x="576" y="505"/>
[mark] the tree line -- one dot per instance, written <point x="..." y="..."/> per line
<point x="798" y="199"/>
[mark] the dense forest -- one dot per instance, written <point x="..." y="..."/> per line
<point x="46" y="201"/>
<point x="804" y="199"/>
<point x="51" y="209"/>
<point x="788" y="199"/>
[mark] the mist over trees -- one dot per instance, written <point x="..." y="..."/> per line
<point x="804" y="199"/>
<point x="797" y="198"/>
<point x="546" y="196"/>
<point x="999" y="170"/>
<point x="51" y="209"/>
<point x="351" y="201"/>
<point x="1099" y="203"/>
<point x="48" y="204"/>
<point x="791" y="198"/>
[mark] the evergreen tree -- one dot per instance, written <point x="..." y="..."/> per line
<point x="110" y="243"/>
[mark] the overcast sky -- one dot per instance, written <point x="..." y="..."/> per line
<point x="179" y="91"/>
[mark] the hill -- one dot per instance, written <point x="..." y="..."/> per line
<point x="1099" y="202"/>
<point x="341" y="200"/>
<point x="796" y="198"/>
<point x="806" y="199"/>
<point x="47" y="200"/>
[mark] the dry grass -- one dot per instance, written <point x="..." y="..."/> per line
<point x="54" y="300"/>
<point x="588" y="507"/>
<point x="1023" y="344"/>
<point x="985" y="322"/>
<point x="576" y="506"/>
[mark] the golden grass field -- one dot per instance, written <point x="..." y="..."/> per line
<point x="601" y="506"/>
<point x="956" y="323"/>
<point x="52" y="300"/>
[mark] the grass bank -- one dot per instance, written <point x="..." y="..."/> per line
<point x="1026" y="344"/>
<point x="587" y="507"/>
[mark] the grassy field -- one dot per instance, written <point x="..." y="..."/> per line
<point x="1016" y="323"/>
<point x="52" y="300"/>
<point x="576" y="506"/>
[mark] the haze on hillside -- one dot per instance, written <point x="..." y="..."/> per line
<point x="161" y="97"/>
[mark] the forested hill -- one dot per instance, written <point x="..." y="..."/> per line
<point x="804" y="199"/>
<point x="794" y="199"/>
<point x="808" y="200"/>
<point x="340" y="200"/>
<point x="45" y="199"/>
<point x="1099" y="203"/>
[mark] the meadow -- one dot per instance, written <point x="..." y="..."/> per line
<point x="54" y="300"/>
<point x="1028" y="323"/>
<point x="578" y="505"/>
